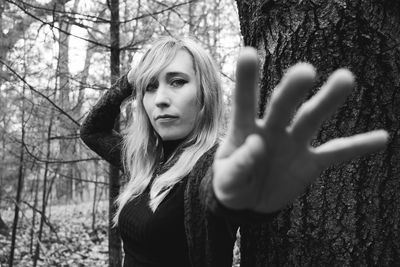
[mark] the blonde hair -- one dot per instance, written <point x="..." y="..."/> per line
<point x="142" y="146"/>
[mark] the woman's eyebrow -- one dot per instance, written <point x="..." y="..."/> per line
<point x="169" y="75"/>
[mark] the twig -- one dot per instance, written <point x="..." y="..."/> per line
<point x="39" y="93"/>
<point x="58" y="28"/>
<point x="54" y="161"/>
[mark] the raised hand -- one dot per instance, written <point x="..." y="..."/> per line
<point x="264" y="164"/>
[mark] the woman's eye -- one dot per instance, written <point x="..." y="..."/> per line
<point x="178" y="83"/>
<point x="151" y="87"/>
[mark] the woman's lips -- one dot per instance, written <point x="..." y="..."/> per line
<point x="166" y="118"/>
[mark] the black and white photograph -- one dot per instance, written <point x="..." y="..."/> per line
<point x="199" y="133"/>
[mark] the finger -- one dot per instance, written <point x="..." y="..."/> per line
<point x="312" y="113"/>
<point x="287" y="95"/>
<point x="244" y="103"/>
<point x="343" y="149"/>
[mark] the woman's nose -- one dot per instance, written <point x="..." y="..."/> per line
<point x="162" y="98"/>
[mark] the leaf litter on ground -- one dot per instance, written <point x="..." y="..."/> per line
<point x="70" y="242"/>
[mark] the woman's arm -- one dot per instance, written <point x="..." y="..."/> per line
<point x="264" y="164"/>
<point x="97" y="131"/>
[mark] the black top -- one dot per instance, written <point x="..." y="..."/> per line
<point x="155" y="239"/>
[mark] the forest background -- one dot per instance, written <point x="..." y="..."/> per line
<point x="56" y="61"/>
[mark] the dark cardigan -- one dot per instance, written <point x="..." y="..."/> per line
<point x="210" y="227"/>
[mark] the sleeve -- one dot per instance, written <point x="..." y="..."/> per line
<point x="211" y="227"/>
<point x="210" y="237"/>
<point x="97" y="130"/>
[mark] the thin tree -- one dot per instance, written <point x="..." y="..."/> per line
<point x="114" y="241"/>
<point x="20" y="185"/>
<point x="35" y="204"/>
<point x="44" y="190"/>
<point x="65" y="186"/>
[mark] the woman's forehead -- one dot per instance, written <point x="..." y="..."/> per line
<point x="181" y="63"/>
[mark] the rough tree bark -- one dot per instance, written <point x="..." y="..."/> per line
<point x="350" y="216"/>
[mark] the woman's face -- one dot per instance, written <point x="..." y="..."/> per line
<point x="171" y="100"/>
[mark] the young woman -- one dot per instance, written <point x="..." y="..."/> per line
<point x="186" y="196"/>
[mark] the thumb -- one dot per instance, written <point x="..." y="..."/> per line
<point x="245" y="159"/>
<point x="234" y="175"/>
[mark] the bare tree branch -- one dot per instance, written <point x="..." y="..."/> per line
<point x="39" y="93"/>
<point x="77" y="179"/>
<point x="58" y="28"/>
<point x="56" y="161"/>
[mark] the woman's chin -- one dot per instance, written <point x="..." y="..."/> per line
<point x="172" y="136"/>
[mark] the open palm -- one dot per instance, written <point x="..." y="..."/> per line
<point x="263" y="164"/>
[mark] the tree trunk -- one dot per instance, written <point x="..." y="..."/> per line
<point x="94" y="210"/>
<point x="35" y="204"/>
<point x="44" y="202"/>
<point x="77" y="109"/>
<point x="350" y="216"/>
<point x="65" y="186"/>
<point x="20" y="182"/>
<point x="114" y="241"/>
<point x="3" y="226"/>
